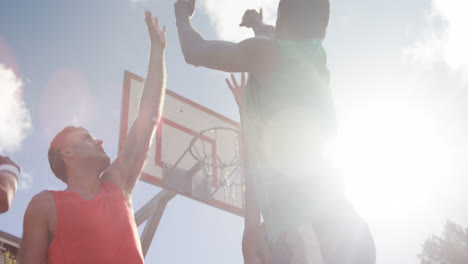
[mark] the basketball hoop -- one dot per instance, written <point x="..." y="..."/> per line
<point x="226" y="166"/>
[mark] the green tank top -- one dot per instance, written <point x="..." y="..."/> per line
<point x="286" y="124"/>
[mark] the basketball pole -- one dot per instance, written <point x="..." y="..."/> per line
<point x="152" y="212"/>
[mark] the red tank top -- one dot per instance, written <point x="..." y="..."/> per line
<point x="102" y="230"/>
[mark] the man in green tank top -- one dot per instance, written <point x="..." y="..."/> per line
<point x="287" y="120"/>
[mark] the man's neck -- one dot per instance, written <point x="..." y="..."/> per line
<point x="84" y="181"/>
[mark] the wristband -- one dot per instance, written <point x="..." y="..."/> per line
<point x="11" y="169"/>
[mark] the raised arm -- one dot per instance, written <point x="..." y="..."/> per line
<point x="253" y="240"/>
<point x="126" y="169"/>
<point x="254" y="55"/>
<point x="253" y="237"/>
<point x="9" y="173"/>
<point x="254" y="20"/>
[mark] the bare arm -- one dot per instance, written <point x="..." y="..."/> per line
<point x="265" y="30"/>
<point x="253" y="234"/>
<point x="8" y="185"/>
<point x="126" y="169"/>
<point x="254" y="20"/>
<point x="255" y="55"/>
<point x="9" y="173"/>
<point x="35" y="241"/>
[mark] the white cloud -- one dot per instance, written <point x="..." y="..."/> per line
<point x="25" y="181"/>
<point x="226" y="16"/>
<point x="63" y="107"/>
<point x="445" y="39"/>
<point x="15" y="119"/>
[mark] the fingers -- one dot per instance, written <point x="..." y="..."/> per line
<point x="153" y="25"/>
<point x="148" y="17"/>
<point x="230" y="85"/>
<point x="234" y="81"/>
<point x="184" y="7"/>
<point x="243" y="78"/>
<point x="156" y="22"/>
<point x="149" y="21"/>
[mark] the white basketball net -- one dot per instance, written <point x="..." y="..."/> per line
<point x="218" y="150"/>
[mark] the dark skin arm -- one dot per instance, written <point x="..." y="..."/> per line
<point x="258" y="56"/>
<point x="255" y="55"/>
<point x="253" y="238"/>
<point x="254" y="20"/>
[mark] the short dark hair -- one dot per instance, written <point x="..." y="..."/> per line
<point x="305" y="19"/>
<point x="55" y="156"/>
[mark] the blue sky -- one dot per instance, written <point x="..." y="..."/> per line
<point x="399" y="80"/>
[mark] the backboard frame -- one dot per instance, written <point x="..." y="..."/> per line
<point x="127" y="86"/>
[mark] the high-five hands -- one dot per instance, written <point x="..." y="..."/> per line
<point x="157" y="36"/>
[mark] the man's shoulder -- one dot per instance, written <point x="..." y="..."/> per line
<point x="260" y="42"/>
<point x="263" y="53"/>
<point x="112" y="175"/>
<point x="42" y="201"/>
<point x="41" y="208"/>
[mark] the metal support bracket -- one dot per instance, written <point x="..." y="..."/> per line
<point x="152" y="211"/>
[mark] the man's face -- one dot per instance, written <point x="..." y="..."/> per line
<point x="82" y="146"/>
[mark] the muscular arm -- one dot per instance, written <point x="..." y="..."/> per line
<point x="255" y="55"/>
<point x="126" y="169"/>
<point x="35" y="241"/>
<point x="265" y="30"/>
<point x="254" y="20"/>
<point x="253" y="237"/>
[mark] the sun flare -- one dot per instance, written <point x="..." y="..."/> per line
<point x="393" y="162"/>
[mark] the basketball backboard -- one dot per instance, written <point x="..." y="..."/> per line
<point x="171" y="162"/>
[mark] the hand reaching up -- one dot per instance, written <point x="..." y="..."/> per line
<point x="251" y="18"/>
<point x="236" y="89"/>
<point x="184" y="9"/>
<point x="157" y="36"/>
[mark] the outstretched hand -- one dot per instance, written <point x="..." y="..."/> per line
<point x="184" y="9"/>
<point x="157" y="36"/>
<point x="236" y="89"/>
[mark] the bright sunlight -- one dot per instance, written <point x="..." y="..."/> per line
<point x="393" y="159"/>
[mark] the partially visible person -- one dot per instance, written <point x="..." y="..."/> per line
<point x="92" y="220"/>
<point x="254" y="20"/>
<point x="254" y="241"/>
<point x="9" y="174"/>
<point x="288" y="120"/>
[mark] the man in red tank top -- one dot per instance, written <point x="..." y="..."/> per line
<point x="91" y="221"/>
